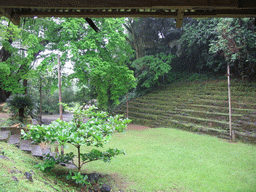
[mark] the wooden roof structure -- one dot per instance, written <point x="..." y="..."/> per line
<point x="15" y="9"/>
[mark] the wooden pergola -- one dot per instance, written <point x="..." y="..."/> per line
<point x="15" y="9"/>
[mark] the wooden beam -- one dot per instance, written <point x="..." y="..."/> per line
<point x="178" y="9"/>
<point x="100" y="13"/>
<point x="179" y="19"/>
<point x="126" y="4"/>
<point x="167" y="13"/>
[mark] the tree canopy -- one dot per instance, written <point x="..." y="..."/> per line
<point x="104" y="63"/>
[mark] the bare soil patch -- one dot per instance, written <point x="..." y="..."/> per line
<point x="137" y="127"/>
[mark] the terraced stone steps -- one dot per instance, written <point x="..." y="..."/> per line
<point x="198" y="107"/>
<point x="12" y="136"/>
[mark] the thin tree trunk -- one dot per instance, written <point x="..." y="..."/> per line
<point x="60" y="98"/>
<point x="134" y="42"/>
<point x="40" y="93"/>
<point x="21" y="114"/>
<point x="25" y="85"/>
<point x="79" y="162"/>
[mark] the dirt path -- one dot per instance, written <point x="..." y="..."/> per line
<point x="67" y="117"/>
<point x="47" y="119"/>
<point x="137" y="127"/>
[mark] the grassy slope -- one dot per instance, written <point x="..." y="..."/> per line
<point x="174" y="160"/>
<point x="198" y="106"/>
<point x="19" y="162"/>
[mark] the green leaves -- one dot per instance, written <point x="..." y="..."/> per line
<point x="50" y="161"/>
<point x="95" y="132"/>
<point x="101" y="58"/>
<point x="150" y="68"/>
<point x="105" y="156"/>
<point x="78" y="178"/>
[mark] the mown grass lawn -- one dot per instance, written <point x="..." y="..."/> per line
<point x="173" y="160"/>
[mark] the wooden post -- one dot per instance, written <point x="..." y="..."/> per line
<point x="127" y="105"/>
<point x="229" y="104"/>
<point x="60" y="97"/>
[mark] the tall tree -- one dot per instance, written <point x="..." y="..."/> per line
<point x="21" y="46"/>
<point x="236" y="42"/>
<point x="99" y="59"/>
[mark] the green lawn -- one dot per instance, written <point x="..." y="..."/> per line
<point x="174" y="160"/>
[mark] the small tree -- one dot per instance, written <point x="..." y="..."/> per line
<point x="21" y="104"/>
<point x="95" y="132"/>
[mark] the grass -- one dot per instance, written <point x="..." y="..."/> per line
<point x="174" y="160"/>
<point x="17" y="164"/>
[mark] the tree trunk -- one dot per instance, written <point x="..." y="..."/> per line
<point x="4" y="55"/>
<point x="25" y="85"/>
<point x="79" y="160"/>
<point x="4" y="95"/>
<point x="21" y="114"/>
<point x="60" y="97"/>
<point x="134" y="42"/>
<point x="40" y="93"/>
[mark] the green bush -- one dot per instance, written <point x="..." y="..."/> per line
<point x="95" y="132"/>
<point x="21" y="105"/>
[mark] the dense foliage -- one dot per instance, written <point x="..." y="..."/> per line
<point x="103" y="64"/>
<point x="149" y="69"/>
<point x="201" y="45"/>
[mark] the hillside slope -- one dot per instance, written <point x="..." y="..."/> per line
<point x="17" y="173"/>
<point x="198" y="106"/>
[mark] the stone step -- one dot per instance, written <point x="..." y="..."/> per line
<point x="70" y="166"/>
<point x="15" y="140"/>
<point x="4" y="135"/>
<point x="36" y="150"/>
<point x="25" y="145"/>
<point x="39" y="150"/>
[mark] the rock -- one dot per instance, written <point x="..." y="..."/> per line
<point x="3" y="157"/>
<point x="93" y="177"/>
<point x="15" y="179"/>
<point x="4" y="135"/>
<point x="121" y="190"/>
<point x="32" y="172"/>
<point x="34" y="122"/>
<point x="28" y="176"/>
<point x="105" y="188"/>
<point x="71" y="166"/>
<point x="16" y="170"/>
